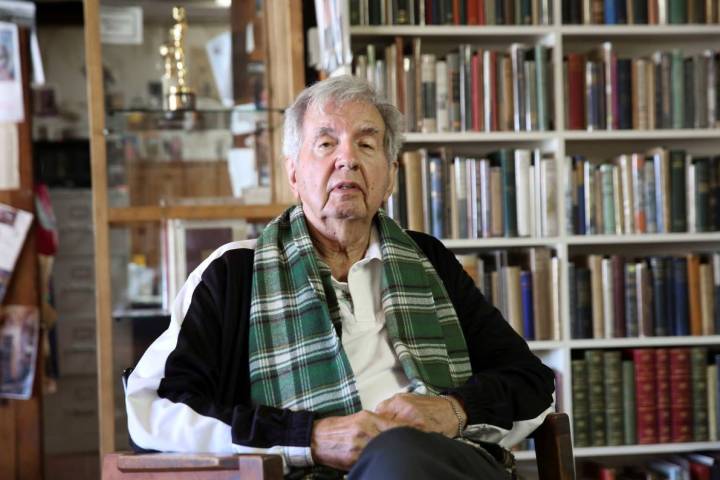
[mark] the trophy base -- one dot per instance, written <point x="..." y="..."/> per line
<point x="180" y="100"/>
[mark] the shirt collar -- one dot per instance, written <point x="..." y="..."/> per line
<point x="373" y="251"/>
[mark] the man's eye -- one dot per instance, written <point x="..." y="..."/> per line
<point x="325" y="145"/>
<point x="367" y="146"/>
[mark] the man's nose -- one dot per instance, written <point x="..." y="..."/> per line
<point x="346" y="156"/>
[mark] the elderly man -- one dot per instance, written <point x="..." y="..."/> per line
<point x="337" y="339"/>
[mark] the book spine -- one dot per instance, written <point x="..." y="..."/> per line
<point x="507" y="167"/>
<point x="596" y="397"/>
<point x="659" y="279"/>
<point x="651" y="193"/>
<point x="681" y="324"/>
<point x="698" y="369"/>
<point x="437" y="201"/>
<point x="693" y="283"/>
<point x="680" y="395"/>
<point x="628" y="403"/>
<point x="631" y="310"/>
<point x="429" y="94"/>
<point x="441" y="96"/>
<point x="607" y="298"/>
<point x="528" y="325"/>
<point x="582" y="328"/>
<point x="662" y="371"/>
<point x="581" y="405"/>
<point x="677" y="68"/>
<point x="645" y="395"/>
<point x="453" y="68"/>
<point x="678" y="186"/>
<point x="613" y="382"/>
<point x="618" y="304"/>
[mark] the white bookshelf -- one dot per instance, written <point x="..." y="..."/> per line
<point x="631" y="41"/>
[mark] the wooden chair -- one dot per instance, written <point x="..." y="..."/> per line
<point x="553" y="445"/>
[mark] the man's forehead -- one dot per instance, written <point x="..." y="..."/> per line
<point x="359" y="116"/>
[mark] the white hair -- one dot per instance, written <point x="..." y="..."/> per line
<point x="340" y="90"/>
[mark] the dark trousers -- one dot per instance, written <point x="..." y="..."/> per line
<point x="406" y="453"/>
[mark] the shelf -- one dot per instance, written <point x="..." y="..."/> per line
<point x="453" y="31"/>
<point x="498" y="242"/>
<point x="478" y="137"/>
<point x="642" y="342"/>
<point x="540" y="345"/>
<point x="127" y="215"/>
<point x="660" y="135"/>
<point x="644" y="449"/>
<point x="634" y="31"/>
<point x="646" y="238"/>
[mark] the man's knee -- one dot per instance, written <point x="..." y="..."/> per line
<point x="398" y="441"/>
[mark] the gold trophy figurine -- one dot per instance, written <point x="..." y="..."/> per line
<point x="179" y="95"/>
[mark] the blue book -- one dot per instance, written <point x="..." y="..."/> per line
<point x="659" y="283"/>
<point x="621" y="11"/>
<point x="681" y="319"/>
<point x="669" y="470"/>
<point x="437" y="204"/>
<point x="526" y="296"/>
<point x="610" y="12"/>
<point x="578" y="160"/>
<point x="669" y="298"/>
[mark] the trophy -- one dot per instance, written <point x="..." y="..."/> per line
<point x="176" y="94"/>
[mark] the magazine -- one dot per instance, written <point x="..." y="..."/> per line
<point x="14" y="226"/>
<point x="19" y="327"/>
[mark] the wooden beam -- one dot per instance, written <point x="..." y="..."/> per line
<point x="98" y="162"/>
<point x="131" y="215"/>
<point x="286" y="78"/>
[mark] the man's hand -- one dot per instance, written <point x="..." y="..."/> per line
<point x="424" y="412"/>
<point x="337" y="442"/>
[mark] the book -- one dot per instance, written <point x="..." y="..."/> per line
<point x="645" y="395"/>
<point x="680" y="395"/>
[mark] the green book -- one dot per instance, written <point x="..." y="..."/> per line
<point x="629" y="427"/>
<point x="505" y="158"/>
<point x="702" y="194"/>
<point x="542" y="88"/>
<point x="678" y="188"/>
<point x="698" y="372"/>
<point x="580" y="407"/>
<point x="612" y="377"/>
<point x="677" y="11"/>
<point x="677" y="82"/>
<point x="608" y="198"/>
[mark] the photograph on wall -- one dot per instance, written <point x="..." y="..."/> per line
<point x="18" y="350"/>
<point x="14" y="226"/>
<point x="11" y="98"/>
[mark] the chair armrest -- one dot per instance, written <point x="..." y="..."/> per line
<point x="554" y="449"/>
<point x="181" y="466"/>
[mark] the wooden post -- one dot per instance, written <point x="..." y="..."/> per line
<point x="21" y="455"/>
<point x="286" y="78"/>
<point x="98" y="162"/>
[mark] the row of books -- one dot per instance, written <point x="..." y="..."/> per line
<point x="645" y="396"/>
<point x="665" y="90"/>
<point x="523" y="285"/>
<point x="659" y="191"/>
<point x="639" y="12"/>
<point x="451" y="12"/>
<point x="468" y="89"/>
<point x="613" y="296"/>
<point x="693" y="466"/>
<point x="507" y="193"/>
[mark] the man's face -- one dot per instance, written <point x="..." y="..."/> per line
<point x="341" y="171"/>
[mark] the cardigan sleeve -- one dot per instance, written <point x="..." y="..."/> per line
<point x="510" y="391"/>
<point x="190" y="390"/>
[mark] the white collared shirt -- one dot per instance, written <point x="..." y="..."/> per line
<point x="378" y="372"/>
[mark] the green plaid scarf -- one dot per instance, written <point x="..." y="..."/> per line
<point x="296" y="357"/>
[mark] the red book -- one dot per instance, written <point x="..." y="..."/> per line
<point x="698" y="471"/>
<point x="645" y="395"/>
<point x="662" y="370"/>
<point x="481" y="12"/>
<point x="680" y="395"/>
<point x="456" y="11"/>
<point x="472" y="12"/>
<point x="477" y="91"/>
<point x="576" y="91"/>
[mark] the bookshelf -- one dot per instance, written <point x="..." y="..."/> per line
<point x="631" y="41"/>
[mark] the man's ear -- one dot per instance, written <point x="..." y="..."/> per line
<point x="291" y="175"/>
<point x="393" y="178"/>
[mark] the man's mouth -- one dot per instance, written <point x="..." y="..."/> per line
<point x="345" y="186"/>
